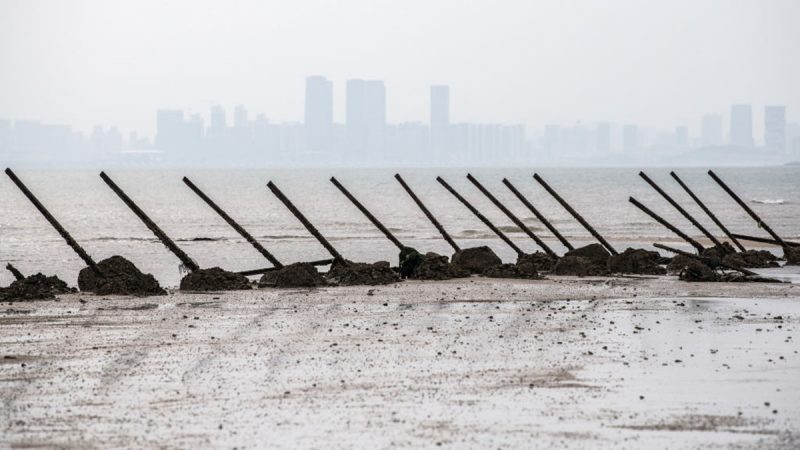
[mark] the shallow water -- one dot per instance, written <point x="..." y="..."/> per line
<point x="104" y="225"/>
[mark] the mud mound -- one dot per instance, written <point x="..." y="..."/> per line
<point x="355" y="274"/>
<point x="578" y="265"/>
<point x="595" y="252"/>
<point x="677" y="263"/>
<point x="120" y="277"/>
<point x="214" y="279"/>
<point x="436" y="267"/>
<point x="410" y="258"/>
<point x="695" y="270"/>
<point x="636" y="260"/>
<point x="522" y="271"/>
<point x="718" y="252"/>
<point x="752" y="259"/>
<point x="538" y="261"/>
<point x="475" y="260"/>
<point x="293" y="275"/>
<point x="34" y="287"/>
<point x="792" y="256"/>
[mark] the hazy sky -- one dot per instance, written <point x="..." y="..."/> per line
<point x="656" y="63"/>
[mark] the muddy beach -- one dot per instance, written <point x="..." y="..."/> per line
<point x="621" y="362"/>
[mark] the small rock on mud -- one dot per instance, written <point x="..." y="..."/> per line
<point x="355" y="274"/>
<point x="34" y="287"/>
<point x="475" y="260"/>
<point x="214" y="279"/>
<point x="120" y="277"/>
<point x="293" y="275"/>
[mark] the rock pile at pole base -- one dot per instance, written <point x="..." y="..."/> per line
<point x="293" y="276"/>
<point x="214" y="279"/>
<point x="752" y="259"/>
<point x="475" y="260"/>
<point x="697" y="271"/>
<point x="350" y="273"/>
<point x="120" y="277"/>
<point x="589" y="260"/>
<point x="792" y="256"/>
<point x="539" y="261"/>
<point x="433" y="266"/>
<point x="636" y="261"/>
<point x="34" y="287"/>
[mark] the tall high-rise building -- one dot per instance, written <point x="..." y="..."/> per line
<point x="741" y="126"/>
<point x="775" y="128"/>
<point x="630" y="139"/>
<point x="681" y="137"/>
<point x="440" y="119"/>
<point x="239" y="116"/>
<point x="711" y="130"/>
<point x="365" y="117"/>
<point x="603" y="138"/>
<point x="319" y="113"/>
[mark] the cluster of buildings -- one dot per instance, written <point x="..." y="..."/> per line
<point x="366" y="138"/>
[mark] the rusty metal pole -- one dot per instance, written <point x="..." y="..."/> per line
<point x="480" y="216"/>
<point x="427" y="213"/>
<point x="765" y="240"/>
<point x="747" y="209"/>
<point x="368" y="214"/>
<point x="707" y="211"/>
<point x="538" y="215"/>
<point x="575" y="214"/>
<point x="55" y="224"/>
<point x="247" y="273"/>
<point x="680" y="209"/>
<point x="185" y="259"/>
<point x="705" y="260"/>
<point x="17" y="274"/>
<point x="668" y="225"/>
<point x="511" y="216"/>
<point x="309" y="226"/>
<point x="238" y="228"/>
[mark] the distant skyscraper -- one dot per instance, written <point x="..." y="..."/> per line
<point x="218" y="123"/>
<point x="775" y="128"/>
<point x="239" y="116"/>
<point x="170" y="130"/>
<point x="319" y="113"/>
<point x="711" y="130"/>
<point x="366" y="117"/>
<point x="630" y="139"/>
<point x="440" y="119"/>
<point x="681" y="137"/>
<point x="603" y="138"/>
<point x="741" y="126"/>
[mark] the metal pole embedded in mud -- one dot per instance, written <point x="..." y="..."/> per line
<point x="707" y="211"/>
<point x="238" y="228"/>
<point x="185" y="259"/>
<point x="700" y="258"/>
<point x="511" y="216"/>
<point x="680" y="209"/>
<point x="17" y="274"/>
<point x="247" y="273"/>
<point x="538" y="215"/>
<point x="575" y="214"/>
<point x="309" y="226"/>
<point x="427" y="213"/>
<point x="668" y="225"/>
<point x="64" y="234"/>
<point x="480" y="216"/>
<point x="368" y="214"/>
<point x="747" y="209"/>
<point x="766" y="240"/>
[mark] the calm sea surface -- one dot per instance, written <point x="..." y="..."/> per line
<point x="105" y="226"/>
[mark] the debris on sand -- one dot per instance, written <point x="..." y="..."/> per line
<point x="214" y="279"/>
<point x="539" y="261"/>
<point x="34" y="287"/>
<point x="636" y="261"/>
<point x="294" y="275"/>
<point x="355" y="274"/>
<point x="120" y="277"/>
<point x="434" y="266"/>
<point x="584" y="261"/>
<point x="475" y="260"/>
<point x="791" y="255"/>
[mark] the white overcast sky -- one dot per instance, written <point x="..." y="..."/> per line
<point x="655" y="63"/>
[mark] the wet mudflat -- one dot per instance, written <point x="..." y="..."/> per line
<point x="634" y="362"/>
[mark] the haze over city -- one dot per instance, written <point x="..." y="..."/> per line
<point x="574" y="82"/>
